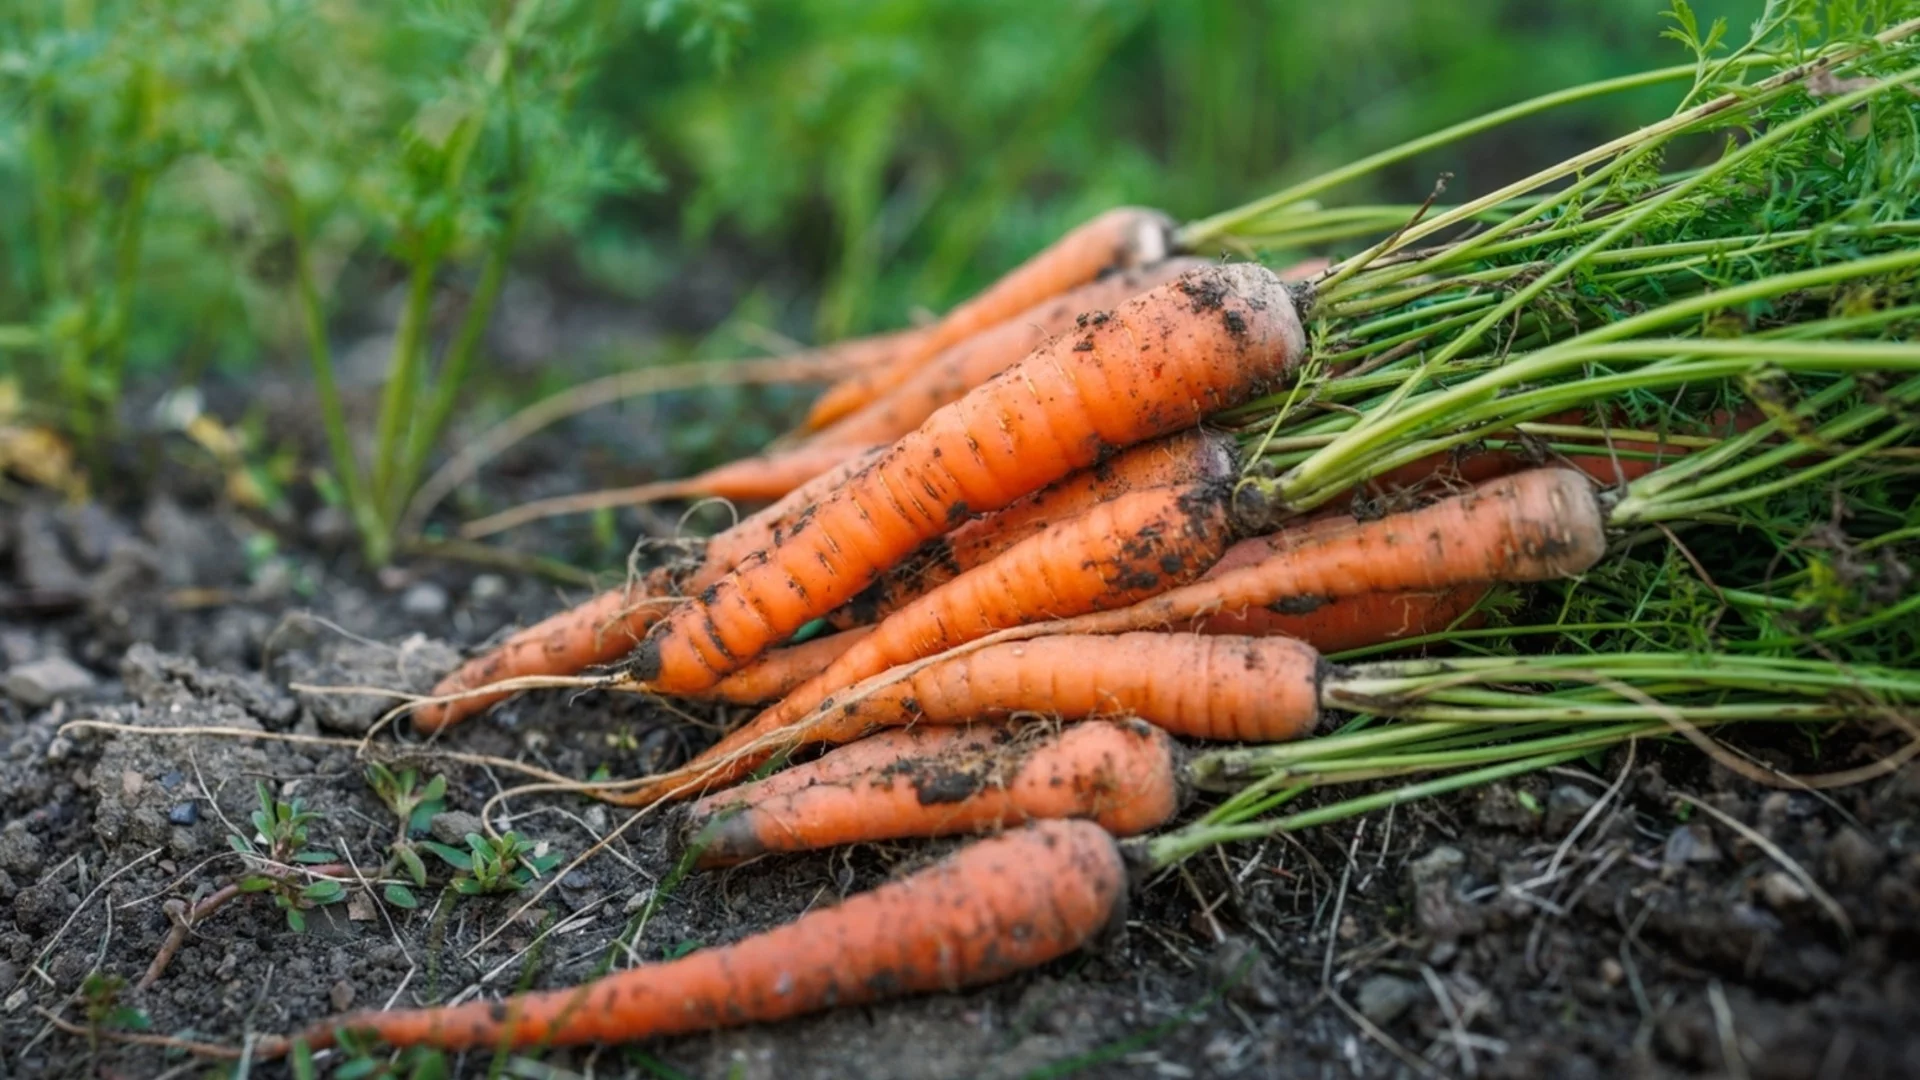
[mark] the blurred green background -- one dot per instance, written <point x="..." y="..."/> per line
<point x="190" y="188"/>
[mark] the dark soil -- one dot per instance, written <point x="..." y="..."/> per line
<point x="1488" y="934"/>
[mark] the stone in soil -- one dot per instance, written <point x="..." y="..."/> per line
<point x="40" y="682"/>
<point x="412" y="666"/>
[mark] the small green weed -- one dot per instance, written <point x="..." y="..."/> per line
<point x="280" y="838"/>
<point x="500" y="865"/>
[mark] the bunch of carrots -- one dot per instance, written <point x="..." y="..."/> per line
<point x="1142" y="487"/>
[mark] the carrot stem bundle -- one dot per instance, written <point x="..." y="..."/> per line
<point x="952" y="925"/>
<point x="1124" y="776"/>
<point x="1158" y="364"/>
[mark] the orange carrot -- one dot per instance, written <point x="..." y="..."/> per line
<point x="1124" y="776"/>
<point x="1118" y="239"/>
<point x="849" y="763"/>
<point x="1184" y="457"/>
<point x="780" y="671"/>
<point x="996" y="907"/>
<point x="1113" y="555"/>
<point x="1538" y="525"/>
<point x="1158" y="364"/>
<point x="760" y="478"/>
<point x="946" y="378"/>
<point x="607" y="627"/>
<point x="1352" y="622"/>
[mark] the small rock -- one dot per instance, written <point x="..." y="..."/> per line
<point x="1566" y="805"/>
<point x="576" y="879"/>
<point x="1612" y="972"/>
<point x="341" y="995"/>
<point x="1690" y="844"/>
<point x="1385" y="998"/>
<point x="487" y="588"/>
<point x="131" y="782"/>
<point x="21" y="852"/>
<point x="1431" y="880"/>
<point x="40" y="561"/>
<point x="424" y="600"/>
<point x="1781" y="891"/>
<point x="172" y="780"/>
<point x="186" y="813"/>
<point x="330" y="526"/>
<point x="1852" y="859"/>
<point x="41" y="681"/>
<point x="40" y="909"/>
<point x="60" y="749"/>
<point x="1240" y="965"/>
<point x="451" y="827"/>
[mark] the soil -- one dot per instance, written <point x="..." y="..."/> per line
<point x="1580" y="923"/>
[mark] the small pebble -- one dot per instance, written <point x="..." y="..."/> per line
<point x="172" y="781"/>
<point x="1690" y="844"/>
<point x="341" y="995"/>
<point x="487" y="588"/>
<point x="424" y="600"/>
<point x="1781" y="891"/>
<point x="453" y="826"/>
<point x="186" y="813"/>
<point x="40" y="682"/>
<point x="1384" y="998"/>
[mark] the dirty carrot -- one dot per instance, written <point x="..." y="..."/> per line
<point x="998" y="906"/>
<point x="1185" y="457"/>
<point x="607" y="627"/>
<point x="1113" y="555"/>
<point x="946" y="378"/>
<point x="760" y="478"/>
<point x="1124" y="776"/>
<point x="1351" y="622"/>
<point x="1121" y="238"/>
<point x="1159" y="363"/>
<point x="1208" y="687"/>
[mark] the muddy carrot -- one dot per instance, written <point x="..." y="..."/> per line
<point x="1124" y="776"/>
<point x="995" y="907"/>
<point x="607" y="627"/>
<point x="1158" y="364"/>
<point x="1352" y="622"/>
<point x="946" y="378"/>
<point x="1113" y="555"/>
<point x="761" y="478"/>
<point x="1185" y="457"/>
<point x="1118" y="239"/>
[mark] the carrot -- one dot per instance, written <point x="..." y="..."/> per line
<point x="1115" y="554"/>
<point x="1352" y="622"/>
<point x="1124" y="776"/>
<point x="607" y="627"/>
<point x="1124" y="237"/>
<point x="879" y="751"/>
<point x="1157" y="364"/>
<point x="1181" y="458"/>
<point x="780" y="671"/>
<point x="998" y="906"/>
<point x="760" y="478"/>
<point x="946" y="378"/>
<point x="1538" y="525"/>
<point x="599" y="631"/>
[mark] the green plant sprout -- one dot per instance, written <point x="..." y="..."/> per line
<point x="280" y="838"/>
<point x="496" y="865"/>
<point x="413" y="805"/>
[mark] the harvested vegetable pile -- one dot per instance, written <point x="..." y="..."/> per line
<point x="1624" y="450"/>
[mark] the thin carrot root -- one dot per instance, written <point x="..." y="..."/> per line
<point x="1121" y="238"/>
<point x="1158" y="364"/>
<point x="1060" y="883"/>
<point x="1113" y="555"/>
<point x="946" y="378"/>
<point x="1124" y="776"/>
